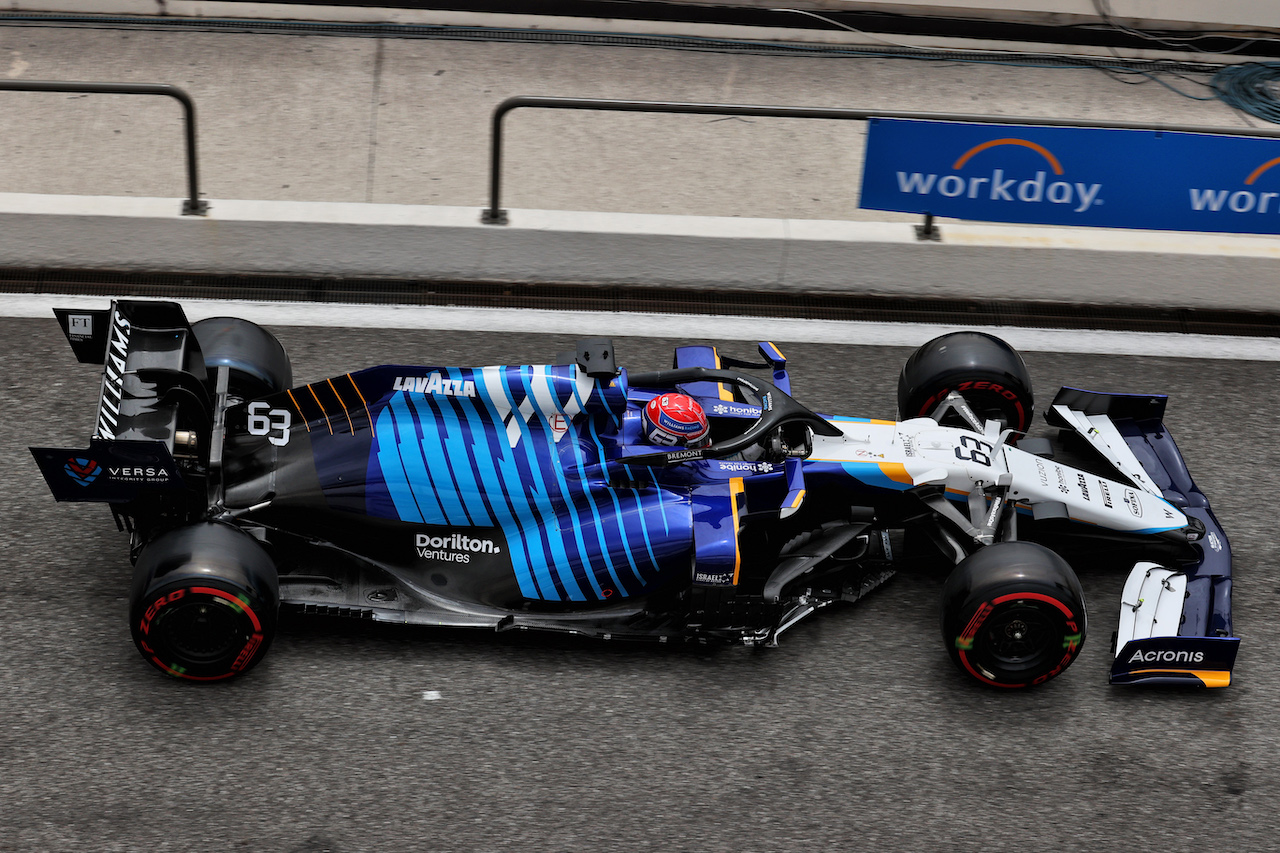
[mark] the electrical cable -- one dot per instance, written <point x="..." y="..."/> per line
<point x="1118" y="68"/>
<point x="1251" y="87"/>
<point x="1103" y="8"/>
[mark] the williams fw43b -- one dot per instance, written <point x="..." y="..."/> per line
<point x="696" y="503"/>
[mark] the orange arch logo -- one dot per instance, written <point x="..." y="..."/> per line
<point x="1024" y="143"/>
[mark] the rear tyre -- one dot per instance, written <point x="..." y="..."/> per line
<point x="1013" y="615"/>
<point x="203" y="602"/>
<point x="986" y="371"/>
<point x="257" y="361"/>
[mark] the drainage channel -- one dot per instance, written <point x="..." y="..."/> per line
<point x="646" y="299"/>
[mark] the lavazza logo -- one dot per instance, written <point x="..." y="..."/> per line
<point x="435" y="384"/>
<point x="452" y="547"/>
<point x="997" y="185"/>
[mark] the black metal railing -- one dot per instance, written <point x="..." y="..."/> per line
<point x="193" y="205"/>
<point x="495" y="215"/>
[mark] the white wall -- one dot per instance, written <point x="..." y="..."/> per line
<point x="1193" y="14"/>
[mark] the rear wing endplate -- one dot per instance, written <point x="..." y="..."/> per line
<point x="108" y="471"/>
<point x="151" y="362"/>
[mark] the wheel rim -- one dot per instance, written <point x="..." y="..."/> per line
<point x="988" y="408"/>
<point x="1020" y="636"/>
<point x="203" y="631"/>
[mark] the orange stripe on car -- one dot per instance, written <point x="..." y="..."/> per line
<point x="305" y="420"/>
<point x="364" y="403"/>
<point x="735" y="488"/>
<point x="1209" y="677"/>
<point x="327" y="422"/>
<point x="342" y="403"/>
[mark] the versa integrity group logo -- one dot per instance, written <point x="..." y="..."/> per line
<point x="973" y="175"/>
<point x="81" y="470"/>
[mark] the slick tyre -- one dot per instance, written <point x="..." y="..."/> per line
<point x="988" y="373"/>
<point x="1013" y="615"/>
<point x="257" y="361"/>
<point x="203" y="602"/>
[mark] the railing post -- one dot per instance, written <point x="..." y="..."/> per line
<point x="495" y="215"/>
<point x="193" y="205"/>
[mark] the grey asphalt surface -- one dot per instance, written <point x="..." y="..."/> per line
<point x="855" y="734"/>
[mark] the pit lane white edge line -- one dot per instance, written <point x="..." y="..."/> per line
<point x="685" y="326"/>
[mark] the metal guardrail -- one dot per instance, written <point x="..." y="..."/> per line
<point x="495" y="215"/>
<point x="193" y="205"/>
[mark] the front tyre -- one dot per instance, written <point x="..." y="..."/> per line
<point x="1013" y="615"/>
<point x="988" y="373"/>
<point x="203" y="602"/>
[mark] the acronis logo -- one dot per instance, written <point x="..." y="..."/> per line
<point x="973" y="175"/>
<point x="435" y="384"/>
<point x="1166" y="656"/>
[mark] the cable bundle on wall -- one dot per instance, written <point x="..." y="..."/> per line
<point x="1253" y="87"/>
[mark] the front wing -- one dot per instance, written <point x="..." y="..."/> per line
<point x="1175" y="621"/>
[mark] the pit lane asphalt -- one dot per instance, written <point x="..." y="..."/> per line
<point x="855" y="734"/>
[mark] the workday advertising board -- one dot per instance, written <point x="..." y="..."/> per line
<point x="1074" y="176"/>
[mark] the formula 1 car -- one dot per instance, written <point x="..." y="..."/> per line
<point x="526" y="497"/>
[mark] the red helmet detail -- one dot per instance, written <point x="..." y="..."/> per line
<point x="675" y="419"/>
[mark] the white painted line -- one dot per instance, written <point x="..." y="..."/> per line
<point x="681" y="326"/>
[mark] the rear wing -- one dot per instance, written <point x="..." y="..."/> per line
<point x="1175" y="621"/>
<point x="151" y="363"/>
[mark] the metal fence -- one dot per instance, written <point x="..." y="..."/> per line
<point x="495" y="215"/>
<point x="193" y="205"/>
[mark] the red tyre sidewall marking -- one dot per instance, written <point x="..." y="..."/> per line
<point x="1038" y="596"/>
<point x="932" y="402"/>
<point x="980" y="615"/>
<point x="975" y="623"/>
<point x="246" y="653"/>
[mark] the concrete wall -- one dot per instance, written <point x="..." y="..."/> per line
<point x="1147" y="14"/>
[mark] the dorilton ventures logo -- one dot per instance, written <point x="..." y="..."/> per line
<point x="452" y="547"/>
<point x="970" y="180"/>
<point x="1233" y="200"/>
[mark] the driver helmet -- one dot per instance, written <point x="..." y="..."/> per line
<point x="676" y="420"/>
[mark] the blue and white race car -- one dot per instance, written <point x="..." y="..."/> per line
<point x="558" y="497"/>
